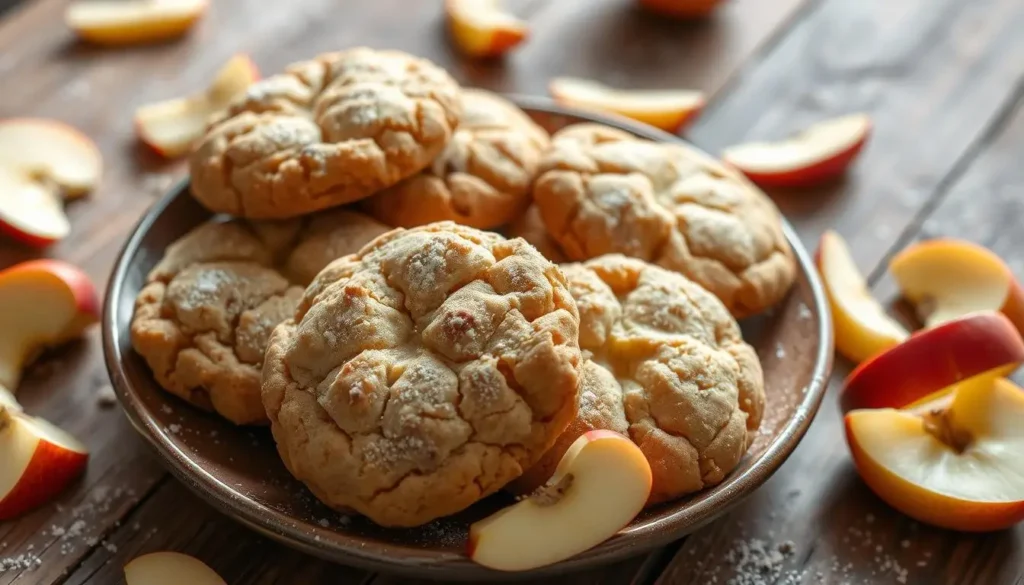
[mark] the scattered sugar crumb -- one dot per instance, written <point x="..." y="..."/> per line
<point x="803" y="312"/>
<point x="323" y="522"/>
<point x="174" y="428"/>
<point x="780" y="352"/>
<point x="166" y="409"/>
<point x="905" y="543"/>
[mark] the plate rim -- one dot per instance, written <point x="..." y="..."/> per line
<point x="284" y="529"/>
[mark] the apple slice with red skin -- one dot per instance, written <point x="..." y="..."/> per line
<point x="947" y="278"/>
<point x="819" y="154"/>
<point x="862" y="328"/>
<point x="37" y="461"/>
<point x="49" y="302"/>
<point x="601" y="483"/>
<point x="172" y="126"/>
<point x="132" y="22"/>
<point x="957" y="466"/>
<point x="169" y="568"/>
<point x="481" y="29"/>
<point x="933" y="361"/>
<point x="669" y="110"/>
<point x="42" y="162"/>
<point x="30" y="211"/>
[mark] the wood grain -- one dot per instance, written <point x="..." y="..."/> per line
<point x="938" y="79"/>
<point x="46" y="73"/>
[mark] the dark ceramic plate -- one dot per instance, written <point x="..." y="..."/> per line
<point x="237" y="470"/>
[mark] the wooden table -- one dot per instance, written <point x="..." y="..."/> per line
<point x="943" y="80"/>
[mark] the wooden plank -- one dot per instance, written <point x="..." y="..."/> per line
<point x="938" y="78"/>
<point x="174" y="519"/>
<point x="47" y="74"/>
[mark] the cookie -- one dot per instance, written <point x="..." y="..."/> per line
<point x="483" y="177"/>
<point x="602" y="191"/>
<point x="203" y="333"/>
<point x="530" y="226"/>
<point x="203" y="319"/>
<point x="327" y="236"/>
<point x="667" y="367"/>
<point x="423" y="373"/>
<point x="328" y="131"/>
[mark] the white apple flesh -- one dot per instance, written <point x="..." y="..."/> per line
<point x="126" y="22"/>
<point x="169" y="568"/>
<point x="480" y="28"/>
<point x="668" y="110"/>
<point x="862" y="328"/>
<point x="37" y="461"/>
<point x="50" y="152"/>
<point x="30" y="211"/>
<point x="957" y="466"/>
<point x="171" y="127"/>
<point x="49" y="302"/>
<point x="818" y="154"/>
<point x="601" y="483"/>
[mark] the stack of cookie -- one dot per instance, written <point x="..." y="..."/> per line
<point x="408" y="373"/>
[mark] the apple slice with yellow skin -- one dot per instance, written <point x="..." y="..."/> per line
<point x="481" y="29"/>
<point x="171" y="127"/>
<point x="862" y="328"/>
<point x="37" y="461"/>
<point x="933" y="361"/>
<point x="948" y="278"/>
<point x="669" y="110"/>
<point x="132" y="22"/>
<point x="958" y="466"/>
<point x="169" y="568"/>
<point x="601" y="483"/>
<point x="820" y="153"/>
<point x="46" y="302"/>
<point x="681" y="8"/>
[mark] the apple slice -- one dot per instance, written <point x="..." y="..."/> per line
<point x="40" y="160"/>
<point x="129" y="22"/>
<point x="50" y="153"/>
<point x="171" y="127"/>
<point x="669" y="110"/>
<point x="947" y="278"/>
<point x="47" y="302"/>
<point x="480" y="28"/>
<point x="601" y="483"/>
<point x="933" y="361"/>
<point x="862" y="329"/>
<point x="958" y="466"/>
<point x="681" y="8"/>
<point x="30" y="212"/>
<point x="37" y="461"/>
<point x="169" y="568"/>
<point x="818" y="154"/>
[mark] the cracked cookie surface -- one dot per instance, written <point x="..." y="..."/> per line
<point x="530" y="226"/>
<point x="328" y="131"/>
<point x="666" y="366"/>
<point x="423" y="373"/>
<point x="601" y="190"/>
<point x="204" y="317"/>
<point x="483" y="177"/>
